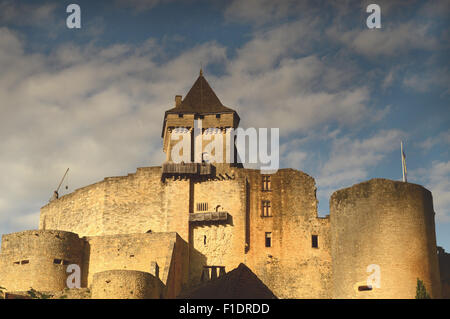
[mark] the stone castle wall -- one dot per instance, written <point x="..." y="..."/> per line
<point x="369" y="224"/>
<point x="390" y="224"/>
<point x="291" y="268"/>
<point x="135" y="203"/>
<point x="143" y="201"/>
<point x="39" y="259"/>
<point x="164" y="255"/>
<point x="187" y="121"/>
<point x="221" y="244"/>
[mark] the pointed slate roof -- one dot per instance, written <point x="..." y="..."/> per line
<point x="201" y="99"/>
<point x="240" y="283"/>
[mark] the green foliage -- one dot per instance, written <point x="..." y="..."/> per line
<point x="421" y="290"/>
<point x="34" y="294"/>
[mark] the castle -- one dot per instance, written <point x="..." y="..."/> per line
<point x="164" y="230"/>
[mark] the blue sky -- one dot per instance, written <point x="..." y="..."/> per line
<point x="342" y="95"/>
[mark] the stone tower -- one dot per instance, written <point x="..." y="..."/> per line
<point x="387" y="225"/>
<point x="198" y="119"/>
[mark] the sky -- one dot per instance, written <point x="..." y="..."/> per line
<point x="344" y="96"/>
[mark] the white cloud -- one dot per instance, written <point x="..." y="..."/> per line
<point x="141" y="5"/>
<point x="428" y="80"/>
<point x="350" y="160"/>
<point x="442" y="140"/>
<point x="99" y="110"/>
<point x="438" y="182"/>
<point x="388" y="41"/>
<point x="262" y="11"/>
<point x="275" y="73"/>
<point x="96" y="110"/>
<point x="16" y="13"/>
<point x="27" y="221"/>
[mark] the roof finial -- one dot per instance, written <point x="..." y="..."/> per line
<point x="201" y="69"/>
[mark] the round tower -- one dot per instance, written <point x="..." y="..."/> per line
<point x="126" y="284"/>
<point x="38" y="259"/>
<point x="382" y="240"/>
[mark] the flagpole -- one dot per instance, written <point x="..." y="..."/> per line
<point x="403" y="162"/>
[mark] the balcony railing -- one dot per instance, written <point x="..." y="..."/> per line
<point x="208" y="217"/>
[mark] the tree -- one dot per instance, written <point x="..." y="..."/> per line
<point x="421" y="290"/>
<point x="34" y="294"/>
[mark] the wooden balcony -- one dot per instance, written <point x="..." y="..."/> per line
<point x="209" y="217"/>
<point x="187" y="169"/>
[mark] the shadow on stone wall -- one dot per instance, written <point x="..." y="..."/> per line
<point x="240" y="283"/>
<point x="444" y="269"/>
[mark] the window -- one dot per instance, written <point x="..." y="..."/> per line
<point x="202" y="207"/>
<point x="57" y="261"/>
<point x="217" y="116"/>
<point x="180" y="115"/>
<point x="268" y="239"/>
<point x="204" y="240"/>
<point x="364" y="288"/>
<point x="265" y="183"/>
<point x="23" y="262"/>
<point x="315" y="241"/>
<point x="265" y="208"/>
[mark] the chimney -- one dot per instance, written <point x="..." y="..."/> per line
<point x="177" y="100"/>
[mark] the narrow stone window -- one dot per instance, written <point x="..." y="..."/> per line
<point x="265" y="208"/>
<point x="268" y="239"/>
<point x="364" y="288"/>
<point x="57" y="261"/>
<point x="315" y="241"/>
<point x="265" y="183"/>
<point x="24" y="262"/>
<point x="17" y="263"/>
<point x="204" y="240"/>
